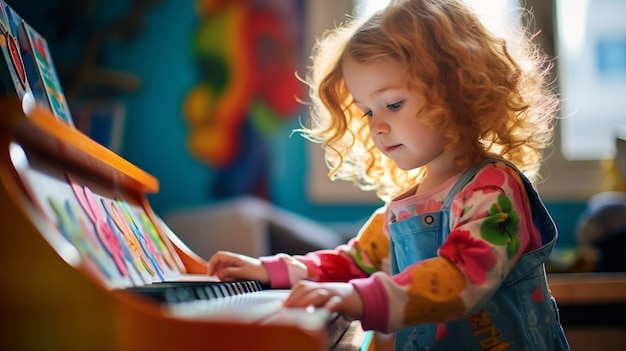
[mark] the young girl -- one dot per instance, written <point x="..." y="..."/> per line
<point x="422" y="104"/>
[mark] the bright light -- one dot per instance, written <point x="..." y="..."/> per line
<point x="366" y="8"/>
<point x="571" y="16"/>
<point x="497" y="15"/>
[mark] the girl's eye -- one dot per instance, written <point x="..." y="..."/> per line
<point x="368" y="114"/>
<point x="395" y="106"/>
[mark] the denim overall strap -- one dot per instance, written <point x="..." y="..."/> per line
<point x="464" y="179"/>
<point x="541" y="217"/>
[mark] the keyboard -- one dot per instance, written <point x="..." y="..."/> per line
<point x="242" y="302"/>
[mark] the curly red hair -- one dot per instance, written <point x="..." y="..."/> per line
<point x="485" y="96"/>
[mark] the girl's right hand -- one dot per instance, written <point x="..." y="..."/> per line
<point x="336" y="297"/>
<point x="229" y="266"/>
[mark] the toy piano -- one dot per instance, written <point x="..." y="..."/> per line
<point x="87" y="264"/>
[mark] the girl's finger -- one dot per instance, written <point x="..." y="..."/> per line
<point x="222" y="260"/>
<point x="333" y="303"/>
<point x="305" y="296"/>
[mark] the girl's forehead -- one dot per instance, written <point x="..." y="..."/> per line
<point x="375" y="73"/>
<point x="384" y="64"/>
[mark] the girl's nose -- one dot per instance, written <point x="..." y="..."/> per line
<point x="378" y="126"/>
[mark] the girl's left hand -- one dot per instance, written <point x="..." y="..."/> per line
<point x="336" y="297"/>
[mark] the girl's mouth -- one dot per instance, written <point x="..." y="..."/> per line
<point x="390" y="148"/>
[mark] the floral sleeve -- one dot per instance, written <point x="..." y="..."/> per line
<point x="363" y="255"/>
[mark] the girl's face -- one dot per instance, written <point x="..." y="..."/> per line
<point x="380" y="90"/>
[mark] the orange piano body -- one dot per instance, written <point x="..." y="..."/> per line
<point x="57" y="295"/>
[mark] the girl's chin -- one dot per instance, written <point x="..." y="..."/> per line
<point x="405" y="166"/>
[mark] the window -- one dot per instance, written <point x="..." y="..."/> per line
<point x="592" y="75"/>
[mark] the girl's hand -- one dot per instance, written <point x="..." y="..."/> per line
<point x="336" y="297"/>
<point x="228" y="266"/>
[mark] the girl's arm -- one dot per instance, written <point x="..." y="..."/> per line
<point x="361" y="256"/>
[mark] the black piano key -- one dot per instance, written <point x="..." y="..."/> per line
<point x="200" y="293"/>
<point x="217" y="290"/>
<point x="209" y="292"/>
<point x="175" y="292"/>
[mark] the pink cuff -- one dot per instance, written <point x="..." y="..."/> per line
<point x="375" y="303"/>
<point x="277" y="270"/>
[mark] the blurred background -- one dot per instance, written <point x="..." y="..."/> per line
<point x="204" y="95"/>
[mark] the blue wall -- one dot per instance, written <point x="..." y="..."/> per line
<point x="155" y="131"/>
